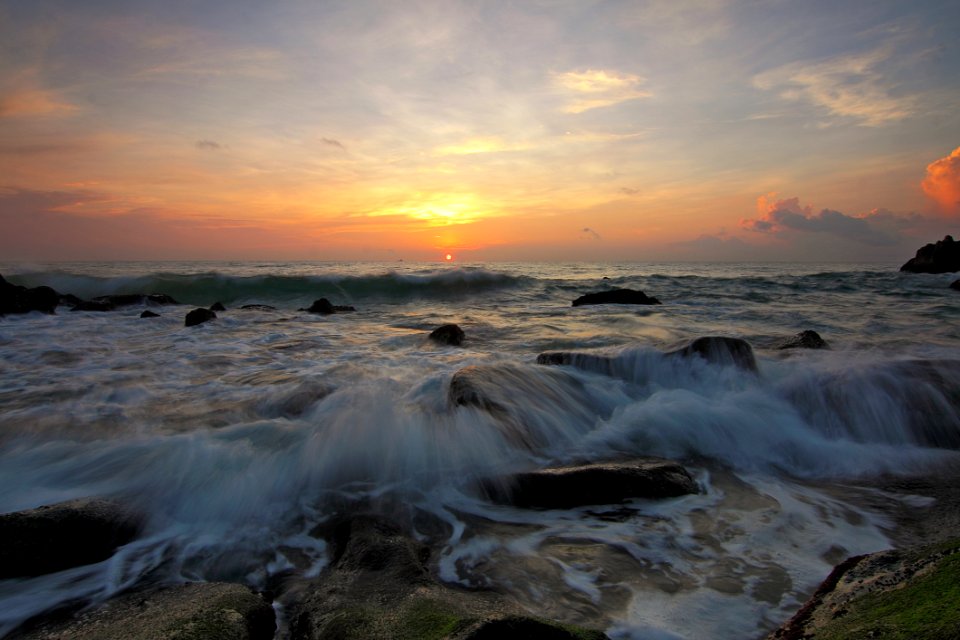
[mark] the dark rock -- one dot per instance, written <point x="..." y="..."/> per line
<point x="130" y="299"/>
<point x="615" y="296"/>
<point x="955" y="285"/>
<point x="378" y="586"/>
<point x="258" y="307"/>
<point x="942" y="257"/>
<point x="17" y="299"/>
<point x="587" y="361"/>
<point x="149" y="314"/>
<point x="199" y="611"/>
<point x="94" y="305"/>
<point x="448" y="334"/>
<point x="70" y="300"/>
<point x="808" y="339"/>
<point x="217" y="306"/>
<point x="721" y="350"/>
<point x="63" y="535"/>
<point x="343" y="308"/>
<point x="321" y="306"/>
<point x="199" y="316"/>
<point x="596" y="483"/>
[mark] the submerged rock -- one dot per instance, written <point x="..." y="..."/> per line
<point x="942" y="257"/>
<point x="63" y="535"/>
<point x="615" y="296"/>
<point x="217" y="306"/>
<point x="258" y="307"/>
<point x="378" y="586"/>
<point x="18" y="299"/>
<point x="595" y="483"/>
<point x="130" y="299"/>
<point x="200" y="611"/>
<point x="199" y="316"/>
<point x="326" y="307"/>
<point x="808" y="339"/>
<point x="149" y="314"/>
<point x="721" y="350"/>
<point x="891" y="594"/>
<point x="448" y="334"/>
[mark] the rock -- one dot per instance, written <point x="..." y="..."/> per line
<point x="322" y="305"/>
<point x="615" y="296"/>
<point x="586" y="361"/>
<point x="94" y="305"/>
<point x="942" y="257"/>
<point x="891" y="594"/>
<point x="199" y="611"/>
<point x="64" y="535"/>
<point x="955" y="285"/>
<point x="721" y="350"/>
<point x="130" y="299"/>
<point x="17" y="299"/>
<point x="804" y="340"/>
<point x="217" y="306"/>
<point x="199" y="316"/>
<point x="149" y="314"/>
<point x="258" y="307"/>
<point x="70" y="300"/>
<point x="343" y="308"/>
<point x="378" y="586"/>
<point x="448" y="334"/>
<point x="595" y="483"/>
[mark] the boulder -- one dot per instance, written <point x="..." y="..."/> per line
<point x="615" y="296"/>
<point x="908" y="593"/>
<point x="808" y="339"/>
<point x="199" y="316"/>
<point x="567" y="487"/>
<point x="217" y="306"/>
<point x="17" y="299"/>
<point x="721" y="350"/>
<point x="378" y="586"/>
<point x="448" y="334"/>
<point x="322" y="305"/>
<point x="70" y="300"/>
<point x="63" y="535"/>
<point x="149" y="314"/>
<point x="942" y="257"/>
<point x="258" y="307"/>
<point x="200" y="611"/>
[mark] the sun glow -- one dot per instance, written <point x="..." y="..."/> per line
<point x="440" y="210"/>
<point x="449" y="257"/>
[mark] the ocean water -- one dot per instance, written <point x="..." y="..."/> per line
<point x="237" y="437"/>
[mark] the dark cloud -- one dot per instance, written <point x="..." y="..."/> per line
<point x="333" y="143"/>
<point x="208" y="145"/>
<point x="589" y="234"/>
<point x="786" y="216"/>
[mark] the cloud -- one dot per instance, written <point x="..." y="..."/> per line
<point x="595" y="88"/>
<point x="208" y="145"/>
<point x="942" y="183"/>
<point x="333" y="143"/>
<point x="34" y="102"/>
<point x="630" y="191"/>
<point x="846" y="86"/>
<point x="878" y="227"/>
<point x="589" y="234"/>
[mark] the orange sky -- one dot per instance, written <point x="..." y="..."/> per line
<point x="580" y="131"/>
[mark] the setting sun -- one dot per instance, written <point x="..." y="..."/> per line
<point x="449" y="258"/>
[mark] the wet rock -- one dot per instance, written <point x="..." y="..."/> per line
<point x="17" y="299"/>
<point x="69" y="300"/>
<point x="200" y="611"/>
<point x="63" y="535"/>
<point x="942" y="257"/>
<point x="615" y="296"/>
<point x="808" y="339"/>
<point x="343" y="308"/>
<point x="890" y="594"/>
<point x="199" y="316"/>
<point x="721" y="350"/>
<point x="258" y="307"/>
<point x="322" y="305"/>
<point x="586" y="361"/>
<point x="217" y="306"/>
<point x="566" y="487"/>
<point x="149" y="314"/>
<point x="378" y="586"/>
<point x="448" y="334"/>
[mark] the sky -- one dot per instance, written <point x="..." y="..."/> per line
<point x="705" y="130"/>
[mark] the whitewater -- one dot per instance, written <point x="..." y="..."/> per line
<point x="237" y="437"/>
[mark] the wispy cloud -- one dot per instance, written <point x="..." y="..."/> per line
<point x="589" y="234"/>
<point x="330" y="142"/>
<point x="942" y="182"/>
<point x="845" y="86"/>
<point x="595" y="88"/>
<point x="208" y="145"/>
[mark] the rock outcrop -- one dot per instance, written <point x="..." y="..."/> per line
<point x="325" y="307"/>
<point x="450" y="334"/>
<point x="615" y="296"/>
<point x="201" y="611"/>
<point x="571" y="486"/>
<point x="217" y="306"/>
<point x="379" y="587"/>
<point x="722" y="351"/>
<point x="199" y="316"/>
<point x="808" y="339"/>
<point x="149" y="314"/>
<point x="908" y="593"/>
<point x="17" y="299"/>
<point x="63" y="535"/>
<point x="942" y="257"/>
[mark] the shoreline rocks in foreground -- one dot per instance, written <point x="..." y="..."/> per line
<point x="942" y="257"/>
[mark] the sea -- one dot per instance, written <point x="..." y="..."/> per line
<point x="237" y="437"/>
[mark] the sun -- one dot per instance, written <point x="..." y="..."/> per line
<point x="448" y="257"/>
